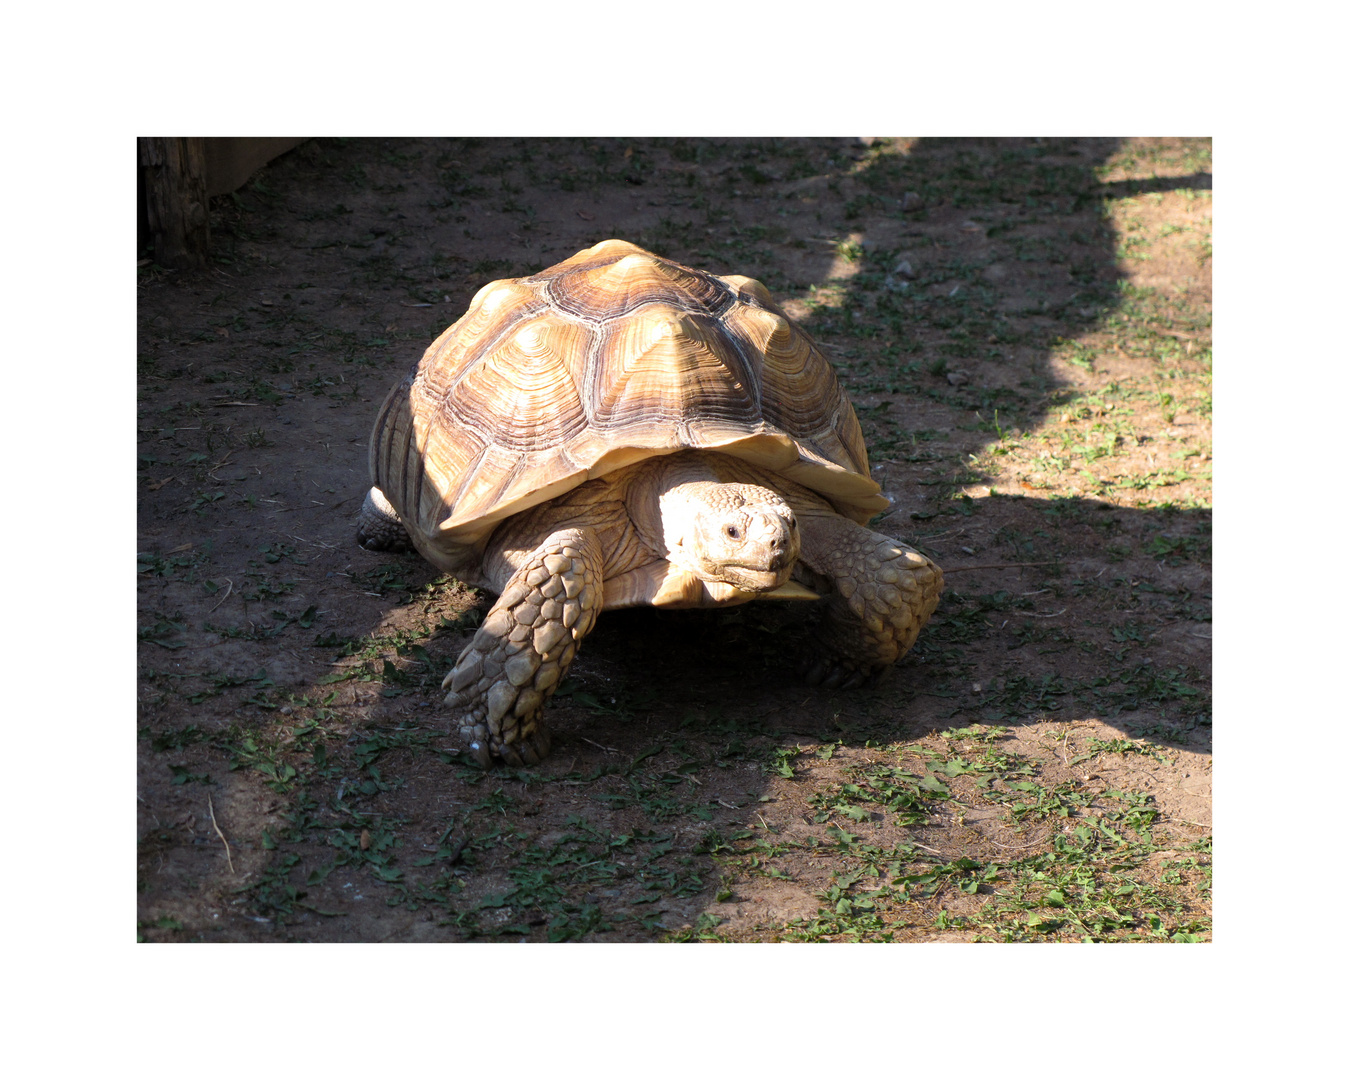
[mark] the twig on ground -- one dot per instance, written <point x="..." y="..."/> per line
<point x="311" y="543"/>
<point x="229" y="585"/>
<point x="211" y="807"/>
<point x="222" y="462"/>
<point x="1011" y="847"/>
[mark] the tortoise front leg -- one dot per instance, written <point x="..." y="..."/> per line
<point x="883" y="593"/>
<point x="524" y="647"/>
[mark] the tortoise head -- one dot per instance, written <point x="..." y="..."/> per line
<point x="740" y="534"/>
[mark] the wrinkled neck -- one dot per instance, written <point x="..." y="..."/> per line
<point x="663" y="499"/>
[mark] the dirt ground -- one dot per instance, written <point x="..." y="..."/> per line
<point x="1024" y="328"/>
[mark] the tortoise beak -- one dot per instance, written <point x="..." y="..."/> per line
<point x="770" y="550"/>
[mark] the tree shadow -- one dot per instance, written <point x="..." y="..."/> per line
<point x="966" y="277"/>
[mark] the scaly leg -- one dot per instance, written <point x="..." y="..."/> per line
<point x="524" y="647"/>
<point x="378" y="527"/>
<point x="882" y="594"/>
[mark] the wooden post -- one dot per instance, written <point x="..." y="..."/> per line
<point x="175" y="200"/>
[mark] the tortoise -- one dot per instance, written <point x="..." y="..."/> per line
<point x="620" y="429"/>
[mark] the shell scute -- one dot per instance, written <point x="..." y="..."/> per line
<point x="620" y="280"/>
<point x="667" y="367"/>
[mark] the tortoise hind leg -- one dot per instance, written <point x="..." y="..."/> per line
<point x="378" y="527"/>
<point x="883" y="594"/>
<point x="522" y="650"/>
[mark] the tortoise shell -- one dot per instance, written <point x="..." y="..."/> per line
<point x="608" y="358"/>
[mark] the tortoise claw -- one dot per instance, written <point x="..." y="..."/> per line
<point x="542" y="741"/>
<point x="836" y="675"/>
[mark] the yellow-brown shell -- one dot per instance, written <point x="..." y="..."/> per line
<point x="608" y="358"/>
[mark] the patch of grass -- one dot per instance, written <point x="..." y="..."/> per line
<point x="173" y="564"/>
<point x="1174" y="550"/>
<point x="389" y="577"/>
<point x="215" y="682"/>
<point x="254" y="632"/>
<point x="556" y="889"/>
<point x="165" y="632"/>
<point x="1064" y="860"/>
<point x="265" y="587"/>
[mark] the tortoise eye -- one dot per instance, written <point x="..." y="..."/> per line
<point x="732" y="532"/>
